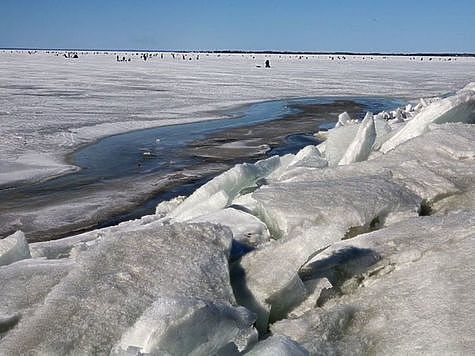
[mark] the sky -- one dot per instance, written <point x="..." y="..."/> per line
<point x="294" y="25"/>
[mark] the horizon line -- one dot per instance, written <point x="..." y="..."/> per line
<point x="235" y="51"/>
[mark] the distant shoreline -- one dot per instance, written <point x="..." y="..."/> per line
<point x="403" y="54"/>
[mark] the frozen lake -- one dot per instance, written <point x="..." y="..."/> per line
<point x="180" y="157"/>
<point x="50" y="105"/>
<point x="362" y="243"/>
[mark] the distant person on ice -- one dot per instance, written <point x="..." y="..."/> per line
<point x="267" y="63"/>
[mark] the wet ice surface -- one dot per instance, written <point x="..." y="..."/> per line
<point x="157" y="164"/>
<point x="50" y="104"/>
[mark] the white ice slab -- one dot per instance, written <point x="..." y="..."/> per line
<point x="456" y="108"/>
<point x="361" y="146"/>
<point x="13" y="248"/>
<point x="404" y="288"/>
<point x="221" y="190"/>
<point x="246" y="228"/>
<point x="120" y="280"/>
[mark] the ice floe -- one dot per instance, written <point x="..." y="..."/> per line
<point x="220" y="191"/>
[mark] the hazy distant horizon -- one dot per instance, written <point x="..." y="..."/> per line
<point x="237" y="51"/>
<point x="366" y="26"/>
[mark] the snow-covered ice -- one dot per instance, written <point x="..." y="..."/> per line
<point x="25" y="284"/>
<point x="50" y="105"/>
<point x="69" y="247"/>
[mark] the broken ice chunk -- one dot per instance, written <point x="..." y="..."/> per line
<point x="383" y="132"/>
<point x="324" y="332"/>
<point x="245" y="227"/>
<point x="165" y="207"/>
<point x="115" y="283"/>
<point x="400" y="302"/>
<point x="456" y="108"/>
<point x="361" y="146"/>
<point x="13" y="248"/>
<point x="266" y="280"/>
<point x="188" y="326"/>
<point x="221" y="190"/>
<point x="347" y="201"/>
<point x="308" y="157"/>
<point x="345" y="119"/>
<point x="337" y="143"/>
<point x="309" y="216"/>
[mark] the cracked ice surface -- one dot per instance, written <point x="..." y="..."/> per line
<point x="127" y="291"/>
<point x="385" y="190"/>
<point x="308" y="217"/>
<point x="403" y="289"/>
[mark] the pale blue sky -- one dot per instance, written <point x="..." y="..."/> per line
<point x="298" y="25"/>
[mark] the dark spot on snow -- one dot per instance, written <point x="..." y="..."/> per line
<point x="425" y="209"/>
<point x="354" y="231"/>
